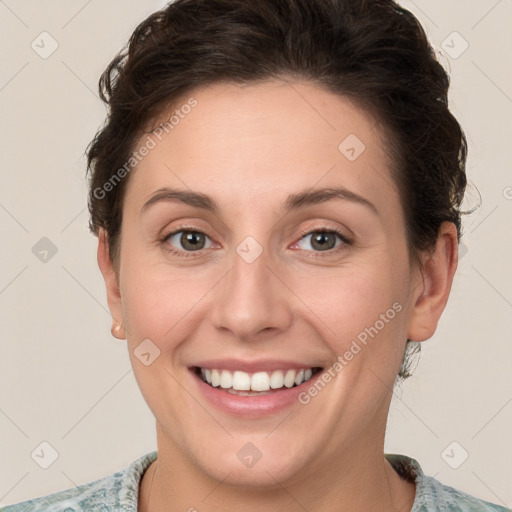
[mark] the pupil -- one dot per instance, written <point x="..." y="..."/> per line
<point x="191" y="239"/>
<point x="322" y="240"/>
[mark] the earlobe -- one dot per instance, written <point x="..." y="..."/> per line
<point x="112" y="285"/>
<point x="438" y="272"/>
<point x="118" y="331"/>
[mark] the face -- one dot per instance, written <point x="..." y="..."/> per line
<point x="263" y="281"/>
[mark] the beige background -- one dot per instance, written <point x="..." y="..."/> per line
<point x="66" y="381"/>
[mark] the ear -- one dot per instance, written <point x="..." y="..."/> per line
<point x="112" y="284"/>
<point x="438" y="271"/>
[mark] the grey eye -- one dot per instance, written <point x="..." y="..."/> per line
<point x="321" y="240"/>
<point x="189" y="240"/>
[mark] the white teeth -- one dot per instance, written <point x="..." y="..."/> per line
<point x="259" y="381"/>
<point x="241" y="381"/>
<point x="277" y="379"/>
<point x="226" y="379"/>
<point x="215" y="378"/>
<point x="289" y="378"/>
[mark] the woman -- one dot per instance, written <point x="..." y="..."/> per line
<point x="276" y="195"/>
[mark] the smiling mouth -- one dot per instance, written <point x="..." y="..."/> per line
<point x="254" y="384"/>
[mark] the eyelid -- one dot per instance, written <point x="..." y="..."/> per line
<point x="325" y="229"/>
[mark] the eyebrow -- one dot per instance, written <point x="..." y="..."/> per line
<point x="295" y="201"/>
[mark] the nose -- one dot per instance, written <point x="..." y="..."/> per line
<point x="252" y="298"/>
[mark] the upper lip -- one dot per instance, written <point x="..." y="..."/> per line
<point x="254" y="366"/>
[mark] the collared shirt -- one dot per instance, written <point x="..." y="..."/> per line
<point x="119" y="492"/>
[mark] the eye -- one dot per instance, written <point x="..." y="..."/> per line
<point x="186" y="241"/>
<point x="189" y="240"/>
<point x="324" y="240"/>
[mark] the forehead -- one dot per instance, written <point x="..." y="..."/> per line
<point x="238" y="143"/>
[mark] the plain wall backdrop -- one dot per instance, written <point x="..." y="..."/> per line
<point x="66" y="381"/>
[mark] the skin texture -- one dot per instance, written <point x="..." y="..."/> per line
<point x="248" y="148"/>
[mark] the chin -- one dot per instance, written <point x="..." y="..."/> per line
<point x="253" y="462"/>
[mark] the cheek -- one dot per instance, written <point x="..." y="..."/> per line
<point x="359" y="313"/>
<point x="164" y="310"/>
<point x="348" y="300"/>
<point x="155" y="304"/>
<point x="156" y="296"/>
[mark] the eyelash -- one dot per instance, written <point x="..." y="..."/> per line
<point x="311" y="254"/>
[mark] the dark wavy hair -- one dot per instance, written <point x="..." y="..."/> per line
<point x="372" y="52"/>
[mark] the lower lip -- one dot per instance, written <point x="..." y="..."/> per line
<point x="251" y="406"/>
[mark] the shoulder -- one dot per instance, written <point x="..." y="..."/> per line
<point x="113" y="493"/>
<point x="434" y="496"/>
<point x="437" y="496"/>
